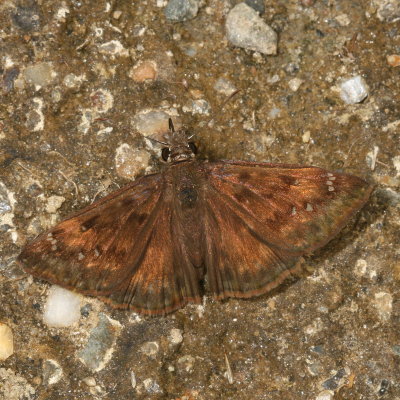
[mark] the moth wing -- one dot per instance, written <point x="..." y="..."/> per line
<point x="261" y="217"/>
<point x="119" y="248"/>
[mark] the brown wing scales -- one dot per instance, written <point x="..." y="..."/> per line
<point x="262" y="217"/>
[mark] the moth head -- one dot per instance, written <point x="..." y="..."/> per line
<point x="178" y="147"/>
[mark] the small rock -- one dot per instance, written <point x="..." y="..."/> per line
<point x="393" y="60"/>
<point x="181" y="10"/>
<point x="89" y="381"/>
<point x="186" y="363"/>
<point x="102" y="100"/>
<point x="200" y="106"/>
<point x="295" y="83"/>
<point x="343" y="19"/>
<point x="52" y="372"/>
<point x="353" y="90"/>
<point x="150" y="348"/>
<point x="144" y="71"/>
<point x="388" y="10"/>
<point x="306" y="136"/>
<point x="325" y="395"/>
<point x="337" y="380"/>
<point x="15" y="387"/>
<point x="62" y="308"/>
<point x="100" y="345"/>
<point x="153" y="122"/>
<point x="129" y="162"/>
<point x="224" y="86"/>
<point x="175" y="336"/>
<point x="151" y="386"/>
<point x="113" y="48"/>
<point x="6" y="342"/>
<point x="257" y="5"/>
<point x="384" y="304"/>
<point x="245" y="28"/>
<point x="117" y="14"/>
<point x="73" y="81"/>
<point x="40" y="74"/>
<point x="27" y="17"/>
<point x="54" y="203"/>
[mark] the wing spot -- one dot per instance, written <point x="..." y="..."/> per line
<point x="331" y="188"/>
<point x="50" y="236"/>
<point x="244" y="176"/>
<point x="142" y="217"/>
<point x="294" y="211"/>
<point x="81" y="256"/>
<point x="96" y="252"/>
<point x="309" y="207"/>
<point x="289" y="180"/>
<point x="89" y="223"/>
<point x="53" y="247"/>
<point x="329" y="183"/>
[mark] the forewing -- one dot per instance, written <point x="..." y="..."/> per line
<point x="262" y="217"/>
<point x="294" y="208"/>
<point x="119" y="248"/>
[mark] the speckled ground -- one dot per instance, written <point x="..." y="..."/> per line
<point x="75" y="79"/>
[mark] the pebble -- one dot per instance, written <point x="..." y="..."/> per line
<point x="257" y="5"/>
<point x="133" y="379"/>
<point x="245" y="28"/>
<point x="144" y="71"/>
<point x="54" y="203"/>
<point x="295" y="83"/>
<point x="40" y="74"/>
<point x="52" y="372"/>
<point x="306" y="136"/>
<point x="6" y="342"/>
<point x="175" y="336"/>
<point x="151" y="386"/>
<point x="89" y="381"/>
<point x="393" y="60"/>
<point x="325" y="395"/>
<point x="353" y="90"/>
<point x="153" y="122"/>
<point x="384" y="304"/>
<point x="113" y="48"/>
<point x="100" y="346"/>
<point x="62" y="308"/>
<point x="388" y="10"/>
<point x="186" y="363"/>
<point x="14" y="386"/>
<point x="224" y="86"/>
<point x="150" y="348"/>
<point x="181" y="10"/>
<point x="130" y="162"/>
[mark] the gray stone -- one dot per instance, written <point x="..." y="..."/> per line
<point x="257" y="5"/>
<point x="181" y="10"/>
<point x="245" y="28"/>
<point x="353" y="90"/>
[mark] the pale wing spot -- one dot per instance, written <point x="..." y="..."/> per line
<point x="309" y="207"/>
<point x="329" y="174"/>
<point x="96" y="252"/>
<point x="294" y="211"/>
<point x="332" y="178"/>
<point x="49" y="237"/>
<point x="331" y="188"/>
<point x="81" y="256"/>
<point x="329" y="183"/>
<point x="54" y="247"/>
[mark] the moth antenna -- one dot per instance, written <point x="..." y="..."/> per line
<point x="158" y="141"/>
<point x="171" y="125"/>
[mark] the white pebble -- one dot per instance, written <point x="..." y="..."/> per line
<point x="353" y="90"/>
<point x="62" y="308"/>
<point x="6" y="342"/>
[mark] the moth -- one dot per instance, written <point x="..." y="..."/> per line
<point x="236" y="227"/>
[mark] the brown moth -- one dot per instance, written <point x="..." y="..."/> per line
<point x="242" y="225"/>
